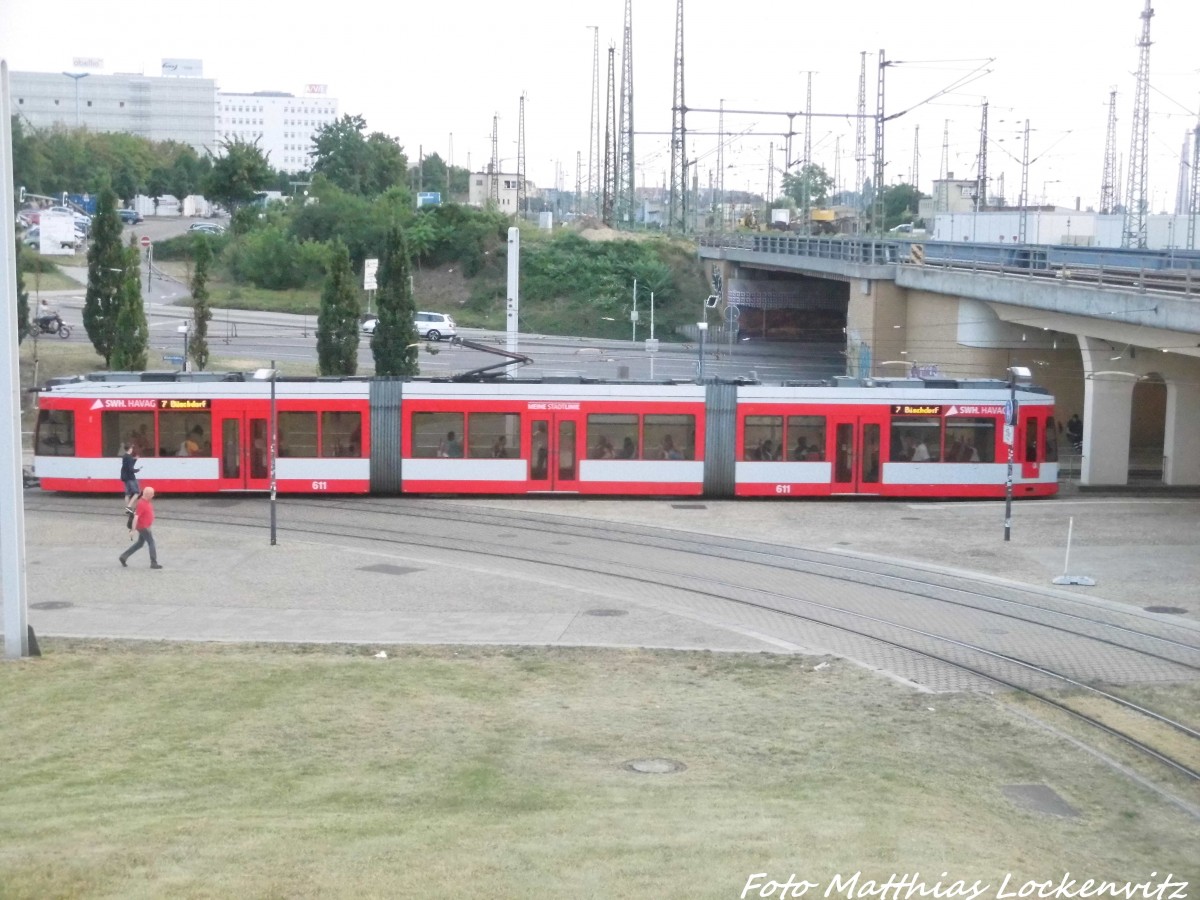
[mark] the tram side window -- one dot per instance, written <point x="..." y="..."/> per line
<point x="341" y="434"/>
<point x="494" y="436"/>
<point x="612" y="436"/>
<point x="430" y="434"/>
<point x="297" y="435"/>
<point x="185" y="434"/>
<point x="55" y="433"/>
<point x="120" y="428"/>
<point x="669" y="437"/>
<point x="916" y="439"/>
<point x="762" y="438"/>
<point x="806" y="438"/>
<point x="1051" y="440"/>
<point x="970" y="440"/>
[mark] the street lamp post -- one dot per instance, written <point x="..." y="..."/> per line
<point x="702" y="327"/>
<point x="185" y="330"/>
<point x="1010" y="433"/>
<point x="77" y="77"/>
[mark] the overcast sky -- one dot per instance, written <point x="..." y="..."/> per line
<point x="425" y="71"/>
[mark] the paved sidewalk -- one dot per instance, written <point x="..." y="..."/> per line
<point x="230" y="584"/>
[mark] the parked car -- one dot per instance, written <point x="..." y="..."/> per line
<point x="130" y="216"/>
<point x="33" y="238"/>
<point x="434" y="326"/>
<point x="82" y="220"/>
<point x="369" y="323"/>
<point x="206" y="228"/>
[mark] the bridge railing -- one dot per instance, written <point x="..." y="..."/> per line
<point x="1170" y="271"/>
<point x="859" y="251"/>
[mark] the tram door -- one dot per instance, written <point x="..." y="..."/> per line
<point x="245" y="457"/>
<point x="1031" y="432"/>
<point x="857" y="453"/>
<point x="554" y="453"/>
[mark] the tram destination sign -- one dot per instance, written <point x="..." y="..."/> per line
<point x="913" y="409"/>
<point x="185" y="405"/>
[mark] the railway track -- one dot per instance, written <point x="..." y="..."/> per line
<point x="1043" y="648"/>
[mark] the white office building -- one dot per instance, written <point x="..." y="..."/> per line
<point x="283" y="125"/>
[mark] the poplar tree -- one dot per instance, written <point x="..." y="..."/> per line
<point x="106" y="274"/>
<point x="337" y="323"/>
<point x="394" y="343"/>
<point x="131" y="334"/>
<point x="201" y="311"/>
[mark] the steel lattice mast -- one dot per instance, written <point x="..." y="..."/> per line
<point x="860" y="141"/>
<point x="494" y="181"/>
<point x="916" y="165"/>
<point x="1134" y="234"/>
<point x="593" y="184"/>
<point x="982" y="184"/>
<point x="521" y="196"/>
<point x="1108" y="178"/>
<point x="610" y="141"/>
<point x="879" y="162"/>
<point x="626" y="171"/>
<point x="677" y="204"/>
<point x="1195" y="209"/>
<point x="805" y="170"/>
<point x="1024" y="185"/>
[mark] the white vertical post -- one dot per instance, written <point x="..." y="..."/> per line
<point x="514" y="299"/>
<point x="12" y="500"/>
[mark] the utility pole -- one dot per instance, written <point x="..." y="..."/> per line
<point x="942" y="201"/>
<point x="1134" y="234"/>
<point x="1108" y="179"/>
<point x="1195" y="209"/>
<point x="717" y="197"/>
<point x="677" y="205"/>
<point x="916" y="165"/>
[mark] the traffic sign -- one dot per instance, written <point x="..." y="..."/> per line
<point x="178" y="360"/>
<point x="145" y="241"/>
<point x="731" y="314"/>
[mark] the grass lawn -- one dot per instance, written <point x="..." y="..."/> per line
<point x="195" y="770"/>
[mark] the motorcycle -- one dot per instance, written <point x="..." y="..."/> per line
<point x="51" y="325"/>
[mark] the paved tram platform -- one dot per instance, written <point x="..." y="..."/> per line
<point x="230" y="584"/>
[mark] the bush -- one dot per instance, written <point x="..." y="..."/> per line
<point x="270" y="258"/>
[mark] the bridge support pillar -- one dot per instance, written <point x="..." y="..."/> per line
<point x="1107" y="410"/>
<point x="1181" y="437"/>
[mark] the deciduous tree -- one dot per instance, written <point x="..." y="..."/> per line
<point x="337" y="323"/>
<point x="237" y="174"/>
<point x="394" y="343"/>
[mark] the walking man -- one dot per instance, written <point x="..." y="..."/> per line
<point x="143" y="518"/>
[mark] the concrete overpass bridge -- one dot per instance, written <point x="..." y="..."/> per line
<point x="1114" y="334"/>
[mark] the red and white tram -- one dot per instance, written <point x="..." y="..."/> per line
<point x="899" y="438"/>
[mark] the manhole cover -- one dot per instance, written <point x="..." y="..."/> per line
<point x="910" y="518"/>
<point x="606" y="612"/>
<point x="1168" y="610"/>
<point x="688" y="506"/>
<point x="655" y="766"/>
<point x="51" y="604"/>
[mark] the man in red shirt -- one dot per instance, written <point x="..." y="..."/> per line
<point x="143" y="518"/>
